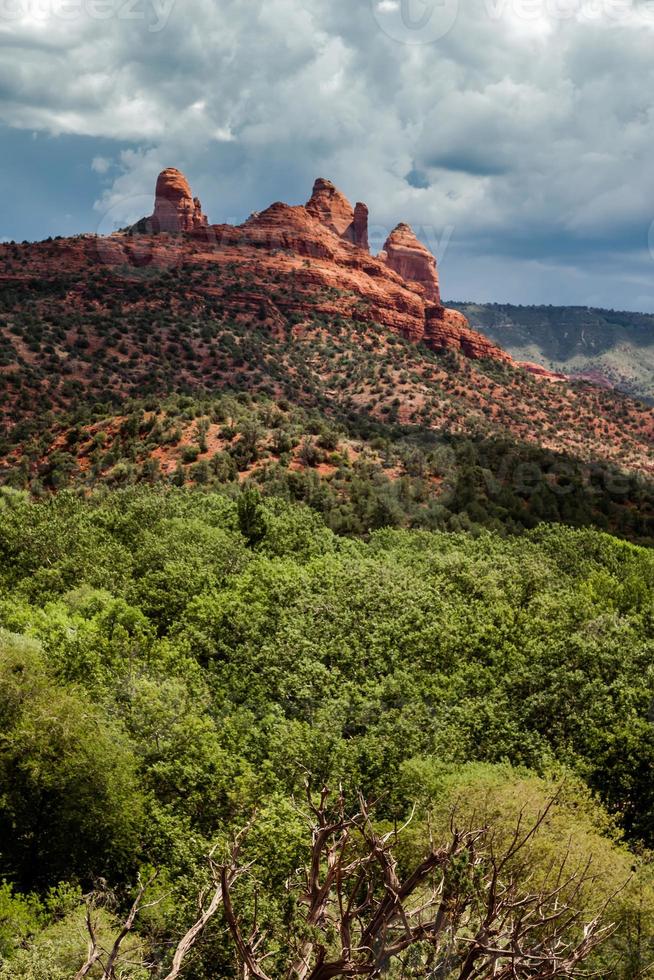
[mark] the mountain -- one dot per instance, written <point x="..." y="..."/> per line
<point x="608" y="347"/>
<point x="292" y="311"/>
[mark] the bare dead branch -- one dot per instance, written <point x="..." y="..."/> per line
<point x="462" y="903"/>
<point x="93" y="952"/>
<point x="468" y="907"/>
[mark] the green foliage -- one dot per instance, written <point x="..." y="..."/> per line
<point x="58" y="950"/>
<point x="173" y="659"/>
<point x="69" y="798"/>
<point x="20" y="917"/>
<point x="576" y="831"/>
<point x="251" y="519"/>
<point x="358" y="471"/>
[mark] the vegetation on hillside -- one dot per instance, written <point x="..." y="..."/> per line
<point x="71" y="337"/>
<point x="276" y="582"/>
<point x="358" y="473"/>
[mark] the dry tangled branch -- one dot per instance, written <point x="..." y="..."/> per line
<point x="463" y="912"/>
<point x="459" y="913"/>
<point x="107" y="959"/>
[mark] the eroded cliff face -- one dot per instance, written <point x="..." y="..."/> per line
<point x="357" y="233"/>
<point x="332" y="209"/>
<point x="322" y="251"/>
<point x="449" y="330"/>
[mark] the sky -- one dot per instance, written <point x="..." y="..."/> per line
<point x="516" y="136"/>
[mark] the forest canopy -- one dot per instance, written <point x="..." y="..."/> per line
<point x="172" y="660"/>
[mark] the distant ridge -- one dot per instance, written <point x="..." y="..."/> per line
<point x="610" y="347"/>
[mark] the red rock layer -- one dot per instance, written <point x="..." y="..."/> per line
<point x="449" y="330"/>
<point x="542" y="372"/>
<point x="357" y="233"/>
<point x="332" y="209"/>
<point x="290" y="229"/>
<point x="406" y="255"/>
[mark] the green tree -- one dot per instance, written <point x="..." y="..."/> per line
<point x="251" y="520"/>
<point x="70" y="804"/>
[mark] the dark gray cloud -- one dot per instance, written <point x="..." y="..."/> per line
<point x="515" y="133"/>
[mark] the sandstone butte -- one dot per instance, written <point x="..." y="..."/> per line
<point x="323" y="246"/>
<point x="285" y="262"/>
<point x="175" y="208"/>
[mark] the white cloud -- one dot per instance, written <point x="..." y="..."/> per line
<point x="100" y="165"/>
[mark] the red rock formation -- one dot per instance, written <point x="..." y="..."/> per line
<point x="313" y="247"/>
<point x="332" y="209"/>
<point x="357" y="233"/>
<point x="449" y="330"/>
<point x="175" y="208"/>
<point x="407" y="256"/>
<point x="542" y="372"/>
<point x="262" y="276"/>
<point x="288" y="228"/>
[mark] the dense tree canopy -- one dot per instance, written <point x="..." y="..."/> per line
<point x="172" y="660"/>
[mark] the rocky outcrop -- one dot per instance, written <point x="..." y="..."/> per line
<point x="357" y="233"/>
<point x="329" y="206"/>
<point x="405" y="254"/>
<point x="288" y="229"/>
<point x="542" y="372"/>
<point x="449" y="330"/>
<point x="321" y="252"/>
<point x="175" y="208"/>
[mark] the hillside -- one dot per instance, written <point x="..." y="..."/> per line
<point x="291" y="310"/>
<point x="609" y="347"/>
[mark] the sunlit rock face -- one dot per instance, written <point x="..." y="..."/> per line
<point x="175" y="208"/>
<point x="406" y="255"/>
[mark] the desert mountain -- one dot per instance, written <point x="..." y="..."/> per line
<point x="289" y="306"/>
<point x="327" y="241"/>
